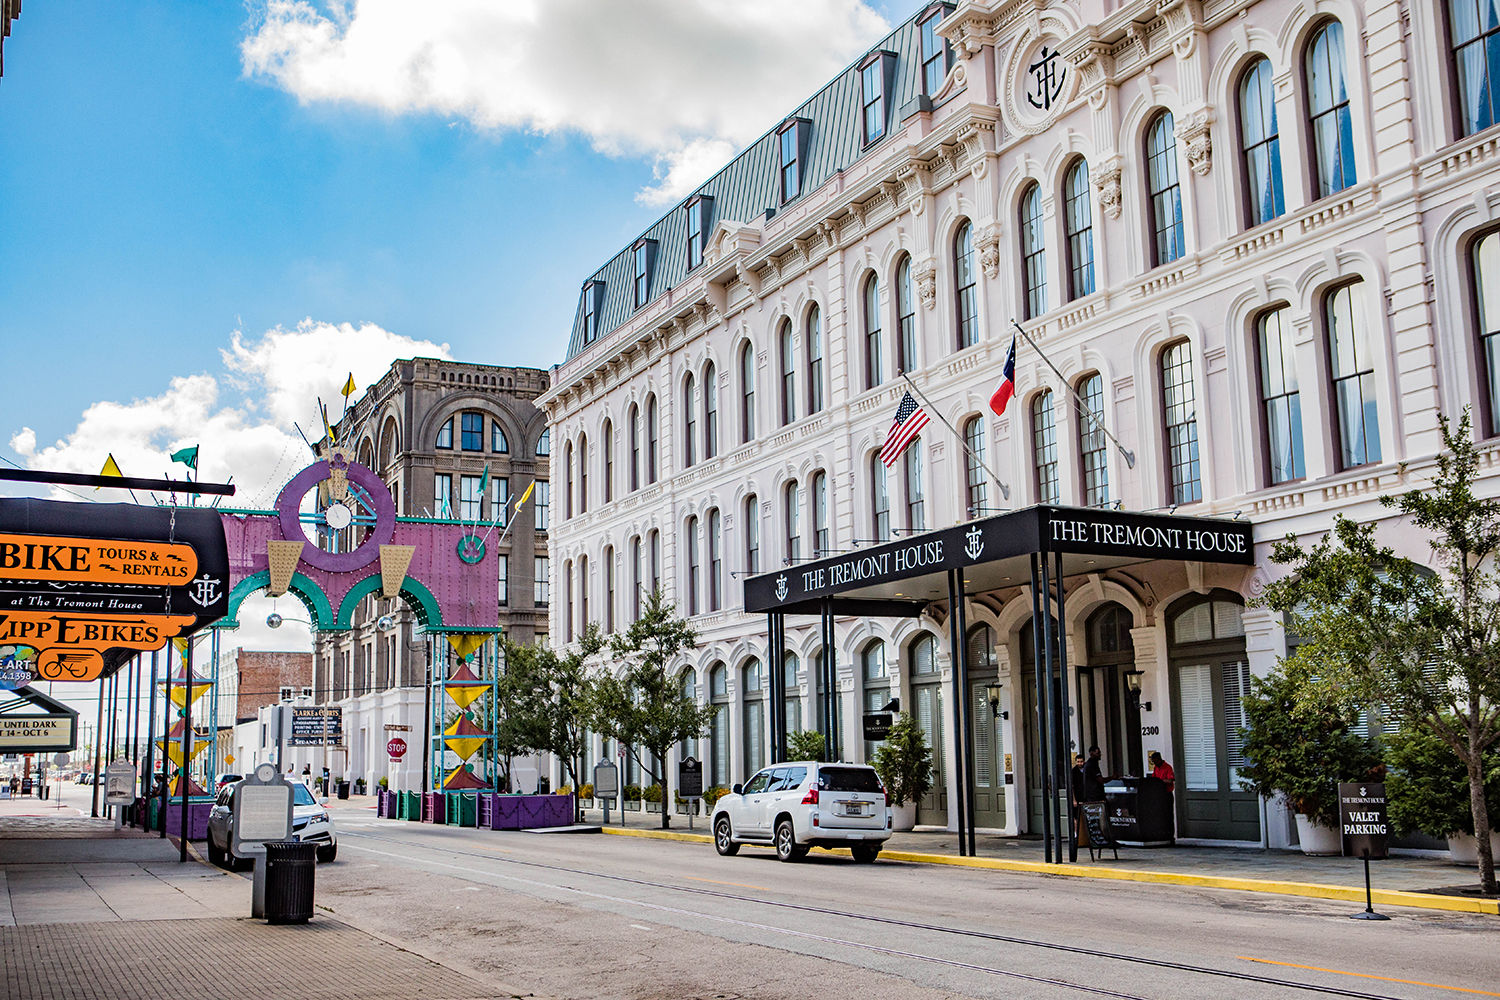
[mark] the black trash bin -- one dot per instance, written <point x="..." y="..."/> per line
<point x="343" y="789"/>
<point x="290" y="867"/>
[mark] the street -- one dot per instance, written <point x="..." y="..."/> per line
<point x="608" y="916"/>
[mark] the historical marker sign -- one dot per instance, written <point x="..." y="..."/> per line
<point x="606" y="780"/>
<point x="690" y="778"/>
<point x="1362" y="819"/>
<point x="262" y="811"/>
<point x="119" y="784"/>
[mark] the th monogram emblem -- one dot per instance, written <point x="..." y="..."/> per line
<point x="781" y="587"/>
<point x="205" y="591"/>
<point x="973" y="543"/>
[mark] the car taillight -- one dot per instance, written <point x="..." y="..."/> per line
<point x="811" y="798"/>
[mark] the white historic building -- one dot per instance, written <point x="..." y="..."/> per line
<point x="1256" y="240"/>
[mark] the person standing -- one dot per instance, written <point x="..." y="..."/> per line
<point x="1093" y="778"/>
<point x="1161" y="770"/>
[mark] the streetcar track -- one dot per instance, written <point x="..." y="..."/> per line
<point x="890" y="921"/>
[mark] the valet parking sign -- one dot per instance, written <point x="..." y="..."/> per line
<point x="1362" y="819"/>
<point x="83" y="587"/>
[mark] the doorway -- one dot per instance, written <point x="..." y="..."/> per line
<point x="1061" y="735"/>
<point x="927" y="700"/>
<point x="1106" y="718"/>
<point x="989" y="750"/>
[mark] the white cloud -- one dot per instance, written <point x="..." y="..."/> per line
<point x="685" y="81"/>
<point x="24" y="441"/>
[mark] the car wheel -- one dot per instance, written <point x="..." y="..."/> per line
<point x="215" y="853"/>
<point x="328" y="853"/>
<point x="865" y="854"/>
<point x="787" y="848"/>
<point x="724" y="838"/>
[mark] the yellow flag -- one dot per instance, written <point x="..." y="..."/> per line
<point x="110" y="469"/>
<point x="349" y="387"/>
<point x="327" y="428"/>
<point x="525" y="495"/>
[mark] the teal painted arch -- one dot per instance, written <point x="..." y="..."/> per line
<point x="319" y="609"/>
<point x="417" y="597"/>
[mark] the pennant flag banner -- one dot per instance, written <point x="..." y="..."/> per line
<point x="349" y="388"/>
<point x="111" y="468"/>
<point x="465" y="645"/>
<point x="187" y="456"/>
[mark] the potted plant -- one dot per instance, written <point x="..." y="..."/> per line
<point x="712" y="795"/>
<point x="633" y="798"/>
<point x="359" y="786"/>
<point x="586" y="796"/>
<point x="805" y="744"/>
<point x="1428" y="789"/>
<point x="385" y="783"/>
<point x="652" y="795"/>
<point x="1298" y="744"/>
<point x="904" y="763"/>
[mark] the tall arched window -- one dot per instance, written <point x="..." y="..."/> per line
<point x="877" y="684"/>
<point x="718" y="729"/>
<point x="753" y="688"/>
<point x="788" y="375"/>
<point x="874" y="347"/>
<point x="880" y="500"/>
<point x="543" y="443"/>
<point x="1486" y="262"/>
<point x="1044" y="447"/>
<point x="1351" y="365"/>
<point x="1476" y="58"/>
<point x="821" y="546"/>
<point x="568" y="480"/>
<point x="1078" y="220"/>
<point x="1093" y="446"/>
<point x="1280" y="396"/>
<point x="1167" y="238"/>
<point x="583" y="592"/>
<point x="791" y="692"/>
<point x="634" y="428"/>
<point x="637" y="579"/>
<point x="792" y="518"/>
<point x="583" y="473"/>
<point x="568" y="600"/>
<point x="689" y="689"/>
<point x="653" y="562"/>
<point x="1033" y="252"/>
<point x="976" y="483"/>
<point x="1261" y="140"/>
<point x="652" y="451"/>
<point x="609" y="588"/>
<point x="693" y="566"/>
<point x="814" y="361"/>
<point x="752" y="534"/>
<point x="710" y="412"/>
<point x="1180" y="417"/>
<point x="608" y="441"/>
<point x="1328" y="111"/>
<point x="689" y="421"/>
<point x="906" y="318"/>
<point x="747" y="394"/>
<point x="715" y="563"/>
<point x="916" y="508"/>
<point x="964" y="279"/>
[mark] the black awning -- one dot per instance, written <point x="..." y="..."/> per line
<point x="994" y="552"/>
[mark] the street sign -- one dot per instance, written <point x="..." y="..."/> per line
<point x="119" y="784"/>
<point x="690" y="778"/>
<point x="229" y="758"/>
<point x="1362" y="819"/>
<point x="61" y="759"/>
<point x="315" y="725"/>
<point x="606" y="780"/>
<point x="391" y="727"/>
<point x="396" y="748"/>
<point x="877" y="726"/>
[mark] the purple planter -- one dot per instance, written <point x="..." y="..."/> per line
<point x="500" y="812"/>
<point x="197" y="820"/>
<point x="432" y="807"/>
<point x="524" y="812"/>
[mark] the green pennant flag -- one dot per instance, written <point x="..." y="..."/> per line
<point x="187" y="456"/>
<point x="484" y="480"/>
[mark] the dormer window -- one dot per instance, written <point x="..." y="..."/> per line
<point x="699" y="218"/>
<point x="593" y="301"/>
<point x="645" y="263"/>
<point x="793" y="142"/>
<point x="876" y="74"/>
<point x="936" y="55"/>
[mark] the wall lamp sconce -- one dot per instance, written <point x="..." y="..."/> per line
<point x="992" y="695"/>
<point x="1133" y="687"/>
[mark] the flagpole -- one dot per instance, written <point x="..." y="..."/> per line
<point x="1004" y="489"/>
<point x="1129" y="456"/>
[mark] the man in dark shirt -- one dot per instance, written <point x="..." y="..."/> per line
<point x="1093" y="779"/>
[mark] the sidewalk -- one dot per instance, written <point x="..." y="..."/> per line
<point x="86" y="914"/>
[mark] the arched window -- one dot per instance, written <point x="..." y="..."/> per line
<point x="821" y="546"/>
<point x="752" y="535"/>
<point x="688" y="685"/>
<point x="609" y="588"/>
<point x="874" y="347"/>
<point x="1180" y="417"/>
<point x="637" y="579"/>
<point x="814" y="361"/>
<point x="653" y="565"/>
<point x="1351" y="366"/>
<point x="1261" y="140"/>
<point x="1486" y="254"/>
<point x="791" y="692"/>
<point x="715" y="563"/>
<point x="1280" y="396"/>
<point x="583" y="474"/>
<point x="567" y="480"/>
<point x="568" y="600"/>
<point x="652" y="458"/>
<point x="1328" y="116"/>
<point x="927" y="706"/>
<point x="976" y="483"/>
<point x="964" y="279"/>
<point x="1093" y="446"/>
<point x="792" y="517"/>
<point x="1033" y="253"/>
<point x="608" y="441"/>
<point x="877" y="684"/>
<point x="693" y="566"/>
<point x="445" y="435"/>
<point x="982" y="646"/>
<point x="1476" y="58"/>
<point x="543" y="443"/>
<point x="753" y="687"/>
<point x="1044" y="447"/>
<point x="788" y="375"/>
<point x="880" y="500"/>
<point x="1078" y="220"/>
<point x="583" y="592"/>
<point x="718" y="729"/>
<point x="1167" y="239"/>
<point x="710" y="412"/>
<point x="747" y="394"/>
<point x="906" y="318"/>
<point x="689" y="420"/>
<point x="916" y="510"/>
<point x="633" y="428"/>
<point x="497" y="438"/>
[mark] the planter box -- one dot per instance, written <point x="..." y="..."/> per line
<point x="684" y="807"/>
<point x="1317" y="840"/>
<point x="903" y="817"/>
<point x="633" y="805"/>
<point x="409" y="807"/>
<point x="653" y="807"/>
<point x="585" y="803"/>
<point x="524" y="812"/>
<point x="433" y="807"/>
<point x="1463" y="848"/>
<point x="197" y="820"/>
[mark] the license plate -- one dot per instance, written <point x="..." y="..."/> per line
<point x="854" y="808"/>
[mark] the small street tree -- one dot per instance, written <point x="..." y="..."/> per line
<point x="1390" y="633"/>
<point x="518" y="728"/>
<point x="645" y="709"/>
<point x="555" y="698"/>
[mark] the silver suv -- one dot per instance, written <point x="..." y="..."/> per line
<point x="805" y="804"/>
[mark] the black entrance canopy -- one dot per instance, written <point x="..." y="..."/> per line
<point x="1038" y="546"/>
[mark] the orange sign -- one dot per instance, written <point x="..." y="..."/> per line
<point x="95" y="560"/>
<point x="70" y="647"/>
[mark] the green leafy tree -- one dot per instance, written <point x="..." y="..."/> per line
<point x="805" y="744"/>
<point x="1429" y="786"/>
<point x="904" y="761"/>
<point x="645" y="709"/>
<point x="1389" y="633"/>
<point x="555" y="698"/>
<point x="519" y="728"/>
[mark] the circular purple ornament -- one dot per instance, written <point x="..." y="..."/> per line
<point x="288" y="507"/>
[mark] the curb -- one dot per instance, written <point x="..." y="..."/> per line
<point x="1387" y="897"/>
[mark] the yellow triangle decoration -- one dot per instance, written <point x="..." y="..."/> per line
<point x="180" y="690"/>
<point x="174" y="749"/>
<point x="111" y="468"/>
<point x="464" y="645"/>
<point x="395" y="560"/>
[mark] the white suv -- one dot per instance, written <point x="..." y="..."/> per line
<point x="806" y="804"/>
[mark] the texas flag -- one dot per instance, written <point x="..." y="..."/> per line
<point x="1007" y="387"/>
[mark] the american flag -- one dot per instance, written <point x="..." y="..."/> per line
<point x="910" y="419"/>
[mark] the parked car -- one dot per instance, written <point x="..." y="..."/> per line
<point x="310" y="822"/>
<point x="805" y="804"/>
<point x="229" y="779"/>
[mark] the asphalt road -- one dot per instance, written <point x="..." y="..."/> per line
<point x="606" y="916"/>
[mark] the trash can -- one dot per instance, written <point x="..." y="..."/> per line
<point x="343" y="789"/>
<point x="290" y="867"/>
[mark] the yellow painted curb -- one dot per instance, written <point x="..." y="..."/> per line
<point x="1387" y="897"/>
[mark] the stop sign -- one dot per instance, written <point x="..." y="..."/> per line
<point x="396" y="748"/>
